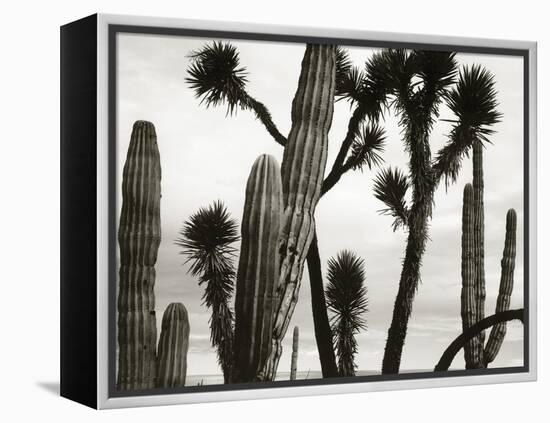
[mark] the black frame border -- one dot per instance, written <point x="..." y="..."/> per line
<point x="78" y="211"/>
<point x="114" y="29"/>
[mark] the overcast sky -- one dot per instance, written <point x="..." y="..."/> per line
<point x="206" y="156"/>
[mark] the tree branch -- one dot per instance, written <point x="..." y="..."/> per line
<point x="262" y="113"/>
<point x="451" y="351"/>
<point x="338" y="168"/>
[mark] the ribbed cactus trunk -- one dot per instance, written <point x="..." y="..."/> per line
<point x="506" y="286"/>
<point x="258" y="271"/>
<point x="302" y="174"/>
<point x="173" y="347"/>
<point x="294" y="361"/>
<point x="468" y="295"/>
<point x="479" y="253"/>
<point x="139" y="239"/>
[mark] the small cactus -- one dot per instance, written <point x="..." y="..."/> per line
<point x="173" y="346"/>
<point x="302" y="175"/>
<point x="258" y="270"/>
<point x="294" y="362"/>
<point x="506" y="285"/>
<point x="139" y="239"/>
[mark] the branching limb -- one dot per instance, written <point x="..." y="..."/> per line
<point x="216" y="76"/>
<point x="263" y="115"/>
<point x="390" y="187"/>
<point x="337" y="169"/>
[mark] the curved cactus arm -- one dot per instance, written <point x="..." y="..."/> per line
<point x="294" y="361"/>
<point x="139" y="239"/>
<point x="173" y="347"/>
<point x="451" y="351"/>
<point x="258" y="271"/>
<point x="506" y="286"/>
<point x="302" y="172"/>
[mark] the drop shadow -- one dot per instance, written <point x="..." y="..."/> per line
<point x="51" y="387"/>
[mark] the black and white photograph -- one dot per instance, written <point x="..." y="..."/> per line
<point x="288" y="212"/>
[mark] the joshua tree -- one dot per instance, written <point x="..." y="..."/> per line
<point x="347" y="300"/>
<point x="207" y="239"/>
<point x="417" y="82"/>
<point x="218" y="78"/>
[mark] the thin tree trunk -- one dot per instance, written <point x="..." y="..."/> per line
<point x="408" y="283"/>
<point x="473" y="331"/>
<point x="323" y="333"/>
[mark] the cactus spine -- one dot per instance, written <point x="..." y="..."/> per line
<point x="302" y="172"/>
<point x="294" y="362"/>
<point x="139" y="239"/>
<point x="258" y="269"/>
<point x="173" y="346"/>
<point x="506" y="285"/>
<point x="468" y="297"/>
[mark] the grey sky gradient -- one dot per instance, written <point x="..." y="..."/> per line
<point x="206" y="156"/>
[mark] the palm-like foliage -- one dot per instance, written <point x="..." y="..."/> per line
<point x="359" y="88"/>
<point x="343" y="67"/>
<point x="390" y="187"/>
<point x="367" y="148"/>
<point x="473" y="102"/>
<point x="347" y="300"/>
<point x="217" y="77"/>
<point x="207" y="239"/>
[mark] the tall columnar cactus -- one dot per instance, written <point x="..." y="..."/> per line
<point x="302" y="172"/>
<point x="139" y="239"/>
<point x="468" y="296"/>
<point x="294" y="362"/>
<point x="476" y="353"/>
<point x="506" y="285"/>
<point x="258" y="269"/>
<point x="173" y="346"/>
<point x="479" y="250"/>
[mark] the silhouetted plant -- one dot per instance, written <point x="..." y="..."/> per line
<point x="347" y="300"/>
<point x="207" y="239"/>
<point x="417" y="83"/>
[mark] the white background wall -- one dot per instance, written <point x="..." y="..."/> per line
<point x="29" y="236"/>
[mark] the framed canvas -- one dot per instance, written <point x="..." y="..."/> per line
<point x="253" y="211"/>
